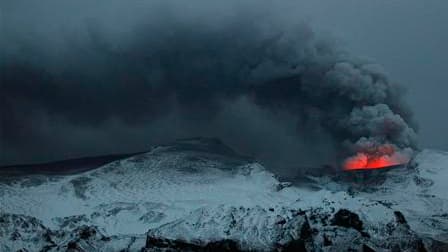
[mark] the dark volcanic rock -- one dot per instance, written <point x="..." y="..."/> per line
<point x="72" y="246"/>
<point x="399" y="217"/>
<point x="345" y="218"/>
<point x="327" y="241"/>
<point x="225" y="245"/>
<point x="295" y="246"/>
<point x="86" y="232"/>
<point x="366" y="248"/>
<point x="23" y="232"/>
<point x="438" y="246"/>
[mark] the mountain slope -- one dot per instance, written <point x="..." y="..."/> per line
<point x="198" y="194"/>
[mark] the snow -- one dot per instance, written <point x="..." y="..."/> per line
<point x="166" y="188"/>
<point x="154" y="183"/>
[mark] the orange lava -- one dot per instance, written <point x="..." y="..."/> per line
<point x="362" y="161"/>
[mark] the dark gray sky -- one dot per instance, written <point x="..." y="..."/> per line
<point x="81" y="40"/>
<point x="410" y="39"/>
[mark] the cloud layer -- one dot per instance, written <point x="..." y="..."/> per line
<point x="268" y="85"/>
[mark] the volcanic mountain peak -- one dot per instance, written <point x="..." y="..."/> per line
<point x="199" y="194"/>
<point x="202" y="144"/>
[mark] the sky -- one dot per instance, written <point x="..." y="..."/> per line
<point x="407" y="37"/>
<point x="410" y="39"/>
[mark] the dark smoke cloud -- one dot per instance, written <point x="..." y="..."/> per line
<point x="265" y="84"/>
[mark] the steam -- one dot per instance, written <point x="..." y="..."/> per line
<point x="174" y="75"/>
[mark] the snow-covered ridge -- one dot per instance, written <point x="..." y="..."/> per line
<point x="198" y="191"/>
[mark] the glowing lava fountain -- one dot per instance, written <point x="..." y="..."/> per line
<point x="366" y="161"/>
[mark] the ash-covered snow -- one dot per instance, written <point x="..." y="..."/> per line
<point x="200" y="195"/>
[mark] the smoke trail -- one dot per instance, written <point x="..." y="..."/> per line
<point x="192" y="72"/>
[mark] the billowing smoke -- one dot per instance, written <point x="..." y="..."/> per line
<point x="265" y="84"/>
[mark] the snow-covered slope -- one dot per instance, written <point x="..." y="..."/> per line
<point x="419" y="190"/>
<point x="198" y="194"/>
<point x="421" y="193"/>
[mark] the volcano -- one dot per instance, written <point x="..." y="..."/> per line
<point x="380" y="157"/>
<point x="200" y="195"/>
<point x="365" y="162"/>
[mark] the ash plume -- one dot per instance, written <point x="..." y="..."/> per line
<point x="266" y="85"/>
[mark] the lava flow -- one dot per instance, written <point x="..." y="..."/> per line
<point x="363" y="161"/>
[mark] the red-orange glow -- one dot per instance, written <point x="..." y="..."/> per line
<point x="363" y="161"/>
